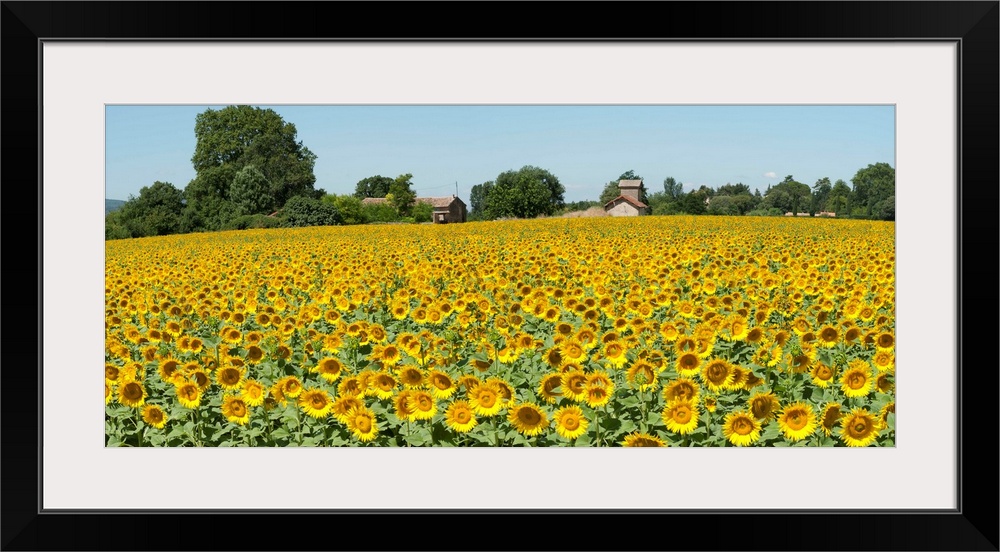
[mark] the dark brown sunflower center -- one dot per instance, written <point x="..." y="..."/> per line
<point x="856" y="381"/>
<point x="823" y="373"/>
<point x="528" y="416"/>
<point x="132" y="391"/>
<point x="571" y="422"/>
<point x="742" y="426"/>
<point x="796" y="420"/>
<point x="682" y="414"/>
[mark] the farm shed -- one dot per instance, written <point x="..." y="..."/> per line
<point x="446" y="209"/>
<point x="627" y="204"/>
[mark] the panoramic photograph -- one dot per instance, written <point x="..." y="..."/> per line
<point x="500" y="276"/>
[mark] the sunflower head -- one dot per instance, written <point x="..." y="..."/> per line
<point x="528" y="418"/>
<point x="637" y="439"/>
<point x="859" y="428"/>
<point x="549" y="388"/>
<point x="154" y="416"/>
<point x="797" y="421"/>
<point x="681" y="416"/>
<point x="570" y="422"/>
<point x="235" y="410"/>
<point x="764" y="406"/>
<point x="741" y="428"/>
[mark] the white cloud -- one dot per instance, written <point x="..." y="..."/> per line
<point x="770" y="174"/>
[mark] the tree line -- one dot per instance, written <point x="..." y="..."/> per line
<point x="253" y="172"/>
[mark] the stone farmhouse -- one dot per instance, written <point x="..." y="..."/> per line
<point x="627" y="204"/>
<point x="446" y="209"/>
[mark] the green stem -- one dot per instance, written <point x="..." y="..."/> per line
<point x="408" y="432"/>
<point x="298" y="422"/>
<point x="496" y="432"/>
<point x="597" y="425"/>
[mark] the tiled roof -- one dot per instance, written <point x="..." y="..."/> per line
<point x="634" y="202"/>
<point x="435" y="202"/>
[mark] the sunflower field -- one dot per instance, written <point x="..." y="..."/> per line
<point x="600" y="332"/>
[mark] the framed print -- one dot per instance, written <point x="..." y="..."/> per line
<point x="75" y="70"/>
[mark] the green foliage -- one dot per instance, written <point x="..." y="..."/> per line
<point x="227" y="141"/>
<point x="373" y="186"/>
<point x="479" y="200"/>
<point x="672" y="188"/>
<point x="250" y="192"/>
<point x="525" y="193"/>
<point x="306" y="211"/>
<point x="350" y="208"/>
<point x="401" y="195"/>
<point x="379" y="212"/>
<point x="244" y="222"/>
<point x="155" y="212"/>
<point x="789" y="196"/>
<point x="422" y="212"/>
<point x="874" y="185"/>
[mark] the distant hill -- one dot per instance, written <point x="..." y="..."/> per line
<point x="112" y="205"/>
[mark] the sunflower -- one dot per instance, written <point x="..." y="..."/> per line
<point x="528" y="419"/>
<point x="884" y="382"/>
<point x="597" y="396"/>
<point x="548" y="387"/>
<point x="573" y="350"/>
<point x="189" y="394"/>
<point x="362" y="423"/>
<point x="570" y="422"/>
<point x="383" y="384"/>
<point x="253" y="392"/>
<point x="740" y="377"/>
<point x="684" y="389"/>
<point x="829" y="417"/>
<point x="821" y="374"/>
<point x="468" y="382"/>
<point x="884" y="360"/>
<point x="859" y="428"/>
<point x="108" y="392"/>
<point x="828" y="336"/>
<point x="254" y="354"/>
<point x="132" y="394"/>
<point x="290" y="386"/>
<point x="710" y="401"/>
<point x="797" y="421"/>
<point x="231" y="335"/>
<point x="688" y="364"/>
<point x="485" y="400"/>
<point x="168" y="369"/>
<point x="411" y="377"/>
<point x="883" y="413"/>
<point x="352" y="385"/>
<point x="614" y="353"/>
<point x="681" y="416"/>
<point x="857" y="379"/>
<point x="642" y="374"/>
<point x="111" y="373"/>
<point x="637" y="439"/>
<point x="229" y="378"/>
<point x="235" y="410"/>
<point x="885" y="341"/>
<point x="574" y="385"/>
<point x="154" y="416"/>
<point x="344" y="404"/>
<point x="717" y="375"/>
<point x="315" y="402"/>
<point x="330" y="368"/>
<point x="601" y="379"/>
<point x="460" y="416"/>
<point x="764" y="406"/>
<point x="503" y="388"/>
<point x="422" y="404"/>
<point x="741" y="428"/>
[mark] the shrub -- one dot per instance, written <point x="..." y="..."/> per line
<point x="306" y="211"/>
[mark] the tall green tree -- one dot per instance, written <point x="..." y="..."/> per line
<point x="838" y="200"/>
<point x="229" y="139"/>
<point x="401" y="195"/>
<point x="525" y="193"/>
<point x="373" y="186"/>
<point x="672" y="188"/>
<point x="154" y="212"/>
<point x="479" y="199"/>
<point x="251" y="192"/>
<point x="789" y="196"/>
<point x="821" y="194"/>
<point x="874" y="185"/>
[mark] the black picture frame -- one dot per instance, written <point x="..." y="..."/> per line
<point x="973" y="525"/>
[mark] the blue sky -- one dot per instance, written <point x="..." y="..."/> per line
<point x="584" y="146"/>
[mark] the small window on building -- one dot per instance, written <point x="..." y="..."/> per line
<point x="440" y="218"/>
